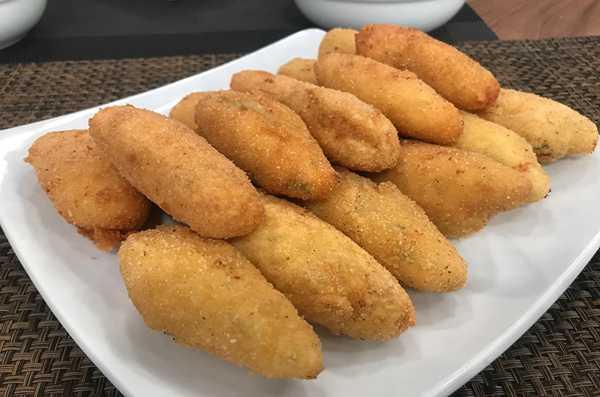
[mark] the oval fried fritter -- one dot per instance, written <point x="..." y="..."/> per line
<point x="338" y="40"/>
<point x="395" y="230"/>
<point x="266" y="139"/>
<point x="453" y="74"/>
<point x="329" y="278"/>
<point x="351" y="132"/>
<point x="206" y="295"/>
<point x="300" y="69"/>
<point x="86" y="190"/>
<point x="185" y="110"/>
<point x="178" y="170"/>
<point x="506" y="147"/>
<point x="553" y="129"/>
<point x="458" y="190"/>
<point x="413" y="106"/>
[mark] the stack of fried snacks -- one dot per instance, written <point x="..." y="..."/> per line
<point x="351" y="132"/>
<point x="341" y="254"/>
<point x="328" y="277"/>
<point x="506" y="147"/>
<point x="395" y="230"/>
<point x="264" y="138"/>
<point x="178" y="170"/>
<point x="454" y="75"/>
<point x="458" y="190"/>
<point x="415" y="108"/>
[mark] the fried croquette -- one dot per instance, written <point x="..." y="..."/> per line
<point x="351" y="132"/>
<point x="395" y="230"/>
<point x="415" y="108"/>
<point x="329" y="278"/>
<point x="300" y="69"/>
<point x="506" y="147"/>
<point x="206" y="295"/>
<point x="458" y="190"/>
<point x="185" y="110"/>
<point x="338" y="40"/>
<point x="86" y="190"/>
<point x="178" y="170"/>
<point x="553" y="129"/>
<point x="266" y="139"/>
<point x="453" y="74"/>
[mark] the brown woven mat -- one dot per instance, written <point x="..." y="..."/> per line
<point x="559" y="355"/>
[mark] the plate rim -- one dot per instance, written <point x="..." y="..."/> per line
<point x="458" y="377"/>
<point x="10" y="132"/>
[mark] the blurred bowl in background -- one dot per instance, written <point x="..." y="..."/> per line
<point x="421" y="14"/>
<point x="17" y="17"/>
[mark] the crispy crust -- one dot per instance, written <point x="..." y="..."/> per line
<point x="300" y="69"/>
<point x="206" y="295"/>
<point x="458" y="190"/>
<point x="453" y="74"/>
<point x="553" y="129"/>
<point x="415" y="108"/>
<point x="351" y="132"/>
<point x="338" y="40"/>
<point x="178" y="170"/>
<point x="266" y="139"/>
<point x="395" y="230"/>
<point x="85" y="188"/>
<point x="506" y="147"/>
<point x="329" y="278"/>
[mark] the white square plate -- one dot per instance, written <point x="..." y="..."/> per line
<point x="519" y="265"/>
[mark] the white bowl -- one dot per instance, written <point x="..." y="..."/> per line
<point x="421" y="14"/>
<point x="17" y="17"/>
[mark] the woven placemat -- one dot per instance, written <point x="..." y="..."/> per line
<point x="559" y="355"/>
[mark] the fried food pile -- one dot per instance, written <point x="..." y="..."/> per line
<point x="316" y="195"/>
<point x="86" y="189"/>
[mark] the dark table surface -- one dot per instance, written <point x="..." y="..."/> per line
<point x="113" y="29"/>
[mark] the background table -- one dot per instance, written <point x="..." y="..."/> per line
<point x="111" y="29"/>
<point x="526" y="19"/>
<point x="559" y="355"/>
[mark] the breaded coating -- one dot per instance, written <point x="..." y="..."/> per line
<point x="266" y="139"/>
<point x="185" y="110"/>
<point x="329" y="278"/>
<point x="414" y="107"/>
<point x="458" y="190"/>
<point x="338" y="40"/>
<point x="506" y="147"/>
<point x="302" y="69"/>
<point x="178" y="170"/>
<point x="453" y="74"/>
<point x="351" y="132"/>
<point x="106" y="239"/>
<point x="395" y="230"/>
<point x="553" y="129"/>
<point x="86" y="190"/>
<point x="206" y="295"/>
